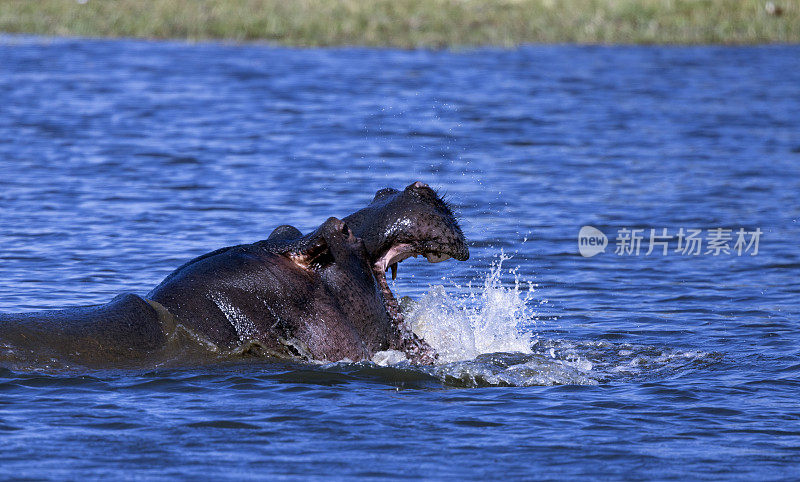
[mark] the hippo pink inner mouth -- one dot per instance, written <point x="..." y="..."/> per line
<point x="399" y="253"/>
<point x="393" y="256"/>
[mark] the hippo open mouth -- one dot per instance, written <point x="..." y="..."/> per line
<point x="389" y="261"/>
<point x="398" y="225"/>
<point x="399" y="253"/>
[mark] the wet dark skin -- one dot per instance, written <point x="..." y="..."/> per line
<point x="321" y="296"/>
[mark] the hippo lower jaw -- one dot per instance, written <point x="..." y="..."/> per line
<point x="414" y="347"/>
<point x="419" y="350"/>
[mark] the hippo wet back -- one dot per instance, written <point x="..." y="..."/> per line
<point x="317" y="299"/>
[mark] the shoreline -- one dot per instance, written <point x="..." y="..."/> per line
<point x="413" y="24"/>
<point x="7" y="39"/>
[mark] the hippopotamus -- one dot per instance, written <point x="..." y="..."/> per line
<point x="320" y="296"/>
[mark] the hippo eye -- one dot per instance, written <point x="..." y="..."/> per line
<point x="426" y="194"/>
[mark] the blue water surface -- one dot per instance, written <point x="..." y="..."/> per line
<point x="120" y="160"/>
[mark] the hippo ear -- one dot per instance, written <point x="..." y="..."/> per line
<point x="385" y="192"/>
<point x="325" y="245"/>
<point x="316" y="254"/>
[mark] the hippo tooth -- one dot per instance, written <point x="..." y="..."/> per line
<point x="394" y="271"/>
<point x="436" y="257"/>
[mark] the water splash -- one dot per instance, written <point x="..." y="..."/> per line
<point x="485" y="335"/>
<point x="496" y="318"/>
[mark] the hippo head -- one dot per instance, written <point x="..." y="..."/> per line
<point x="415" y="221"/>
<point x="400" y="224"/>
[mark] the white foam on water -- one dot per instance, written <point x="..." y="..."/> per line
<point x="623" y="361"/>
<point x="386" y="358"/>
<point x="496" y="318"/>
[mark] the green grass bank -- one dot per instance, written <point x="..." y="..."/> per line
<point x="414" y="23"/>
